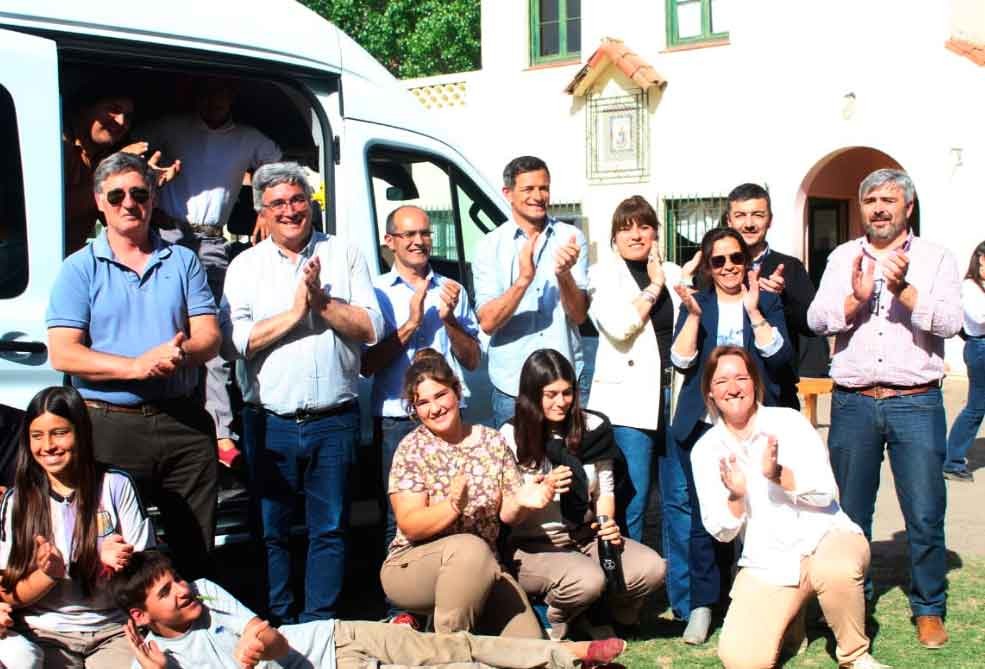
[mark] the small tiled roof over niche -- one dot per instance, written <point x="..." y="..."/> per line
<point x="614" y="51"/>
<point x="973" y="51"/>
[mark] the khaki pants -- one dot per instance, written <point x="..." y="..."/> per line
<point x="569" y="578"/>
<point x="358" y="644"/>
<point x="760" y="612"/>
<point x="459" y="579"/>
<point x="107" y="649"/>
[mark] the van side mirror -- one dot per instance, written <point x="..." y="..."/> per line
<point x="395" y="194"/>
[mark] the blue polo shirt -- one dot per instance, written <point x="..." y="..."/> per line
<point x="539" y="320"/>
<point x="126" y="314"/>
<point x="394" y="295"/>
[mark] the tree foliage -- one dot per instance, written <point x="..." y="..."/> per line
<point x="412" y="38"/>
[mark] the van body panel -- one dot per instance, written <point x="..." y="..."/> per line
<point x="33" y="85"/>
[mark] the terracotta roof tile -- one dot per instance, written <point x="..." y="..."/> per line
<point x="615" y="52"/>
<point x="973" y="51"/>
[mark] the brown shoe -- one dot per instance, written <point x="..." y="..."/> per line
<point x="931" y="632"/>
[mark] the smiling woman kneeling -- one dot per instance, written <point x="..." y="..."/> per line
<point x="764" y="470"/>
<point x="451" y="484"/>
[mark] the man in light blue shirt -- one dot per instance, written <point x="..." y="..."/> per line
<point x="132" y="320"/>
<point x="302" y="306"/>
<point x="531" y="278"/>
<point x="421" y="309"/>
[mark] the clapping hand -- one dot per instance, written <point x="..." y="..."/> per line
<point x="863" y="280"/>
<point x="690" y="267"/>
<point x="733" y="478"/>
<point x="416" y="315"/>
<point x="450" y="293"/>
<point x="894" y="267"/>
<point x="6" y="618"/>
<point x="560" y="478"/>
<point x="161" y="361"/>
<point x="312" y="281"/>
<point x="249" y="651"/>
<point x="114" y="552"/>
<point x="655" y="269"/>
<point x="536" y="494"/>
<point x="458" y="494"/>
<point x="526" y="261"/>
<point x="567" y="256"/>
<point x="164" y="174"/>
<point x="48" y="559"/>
<point x="147" y="653"/>
<point x="750" y="293"/>
<point x="775" y="283"/>
<point x="770" y="458"/>
<point x="687" y="299"/>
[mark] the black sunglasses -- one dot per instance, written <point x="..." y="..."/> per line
<point x="737" y="258"/>
<point x="118" y="195"/>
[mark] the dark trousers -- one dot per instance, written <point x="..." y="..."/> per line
<point x="171" y="457"/>
<point x="710" y="561"/>
<point x="314" y="457"/>
<point x="388" y="433"/>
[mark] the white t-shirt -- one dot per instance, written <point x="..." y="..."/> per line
<point x="65" y="608"/>
<point x="730" y="323"/>
<point x="973" y="303"/>
<point x="211" y="639"/>
<point x="549" y="521"/>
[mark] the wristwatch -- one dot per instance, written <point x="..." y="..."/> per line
<point x="777" y="473"/>
<point x="759" y="324"/>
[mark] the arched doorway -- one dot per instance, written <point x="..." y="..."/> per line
<point x="829" y="199"/>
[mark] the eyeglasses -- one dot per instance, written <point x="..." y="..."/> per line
<point x="116" y="196"/>
<point x="296" y="202"/>
<point x="737" y="258"/>
<point x="411" y="234"/>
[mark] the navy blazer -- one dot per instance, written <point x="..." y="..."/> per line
<point x="691" y="404"/>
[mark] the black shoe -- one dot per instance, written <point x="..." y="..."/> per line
<point x="964" y="476"/>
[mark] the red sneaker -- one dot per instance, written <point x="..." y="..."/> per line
<point x="407" y="619"/>
<point x="228" y="456"/>
<point x="603" y="652"/>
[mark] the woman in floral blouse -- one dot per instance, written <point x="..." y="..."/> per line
<point x="451" y="484"/>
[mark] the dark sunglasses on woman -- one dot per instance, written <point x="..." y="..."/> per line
<point x="118" y="195"/>
<point x="737" y="258"/>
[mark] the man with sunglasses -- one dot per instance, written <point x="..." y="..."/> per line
<point x="891" y="298"/>
<point x="421" y="309"/>
<point x="302" y="307"/>
<point x="132" y="320"/>
<point x="750" y="213"/>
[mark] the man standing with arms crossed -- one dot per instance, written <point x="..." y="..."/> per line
<point x="302" y="306"/>
<point x="531" y="278"/>
<point x="421" y="309"/>
<point x="891" y="298"/>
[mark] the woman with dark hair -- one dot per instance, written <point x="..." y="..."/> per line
<point x="634" y="307"/>
<point x="555" y="551"/>
<point x="67" y="525"/>
<point x="966" y="426"/>
<point x="451" y="484"/>
<point x="730" y="311"/>
<point x="764" y="471"/>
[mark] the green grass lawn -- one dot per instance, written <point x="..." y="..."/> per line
<point x="894" y="640"/>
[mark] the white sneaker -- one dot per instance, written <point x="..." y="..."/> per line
<point x="865" y="662"/>
<point x="698" y="624"/>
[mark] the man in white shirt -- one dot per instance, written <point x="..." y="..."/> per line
<point x="215" y="153"/>
<point x="302" y="306"/>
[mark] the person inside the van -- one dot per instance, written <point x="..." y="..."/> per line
<point x="199" y="624"/>
<point x="132" y="320"/>
<point x="302" y="307"/>
<point x="97" y="128"/>
<point x="421" y="308"/>
<point x="215" y="154"/>
<point x="531" y="282"/>
<point x="65" y="527"/>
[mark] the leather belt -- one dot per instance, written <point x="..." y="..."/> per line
<point x="206" y="230"/>
<point x="145" y="409"/>
<point x="302" y="415"/>
<point x="885" y="392"/>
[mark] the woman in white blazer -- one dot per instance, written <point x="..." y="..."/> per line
<point x="634" y="307"/>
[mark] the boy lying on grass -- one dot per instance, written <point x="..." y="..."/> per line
<point x="201" y="625"/>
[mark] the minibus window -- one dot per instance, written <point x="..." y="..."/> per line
<point x="13" y="222"/>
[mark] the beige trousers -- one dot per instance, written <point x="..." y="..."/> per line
<point x="357" y="644"/>
<point x="569" y="579"/>
<point x="107" y="649"/>
<point x="760" y="612"/>
<point x="459" y="579"/>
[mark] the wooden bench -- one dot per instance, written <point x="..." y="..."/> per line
<point x="809" y="389"/>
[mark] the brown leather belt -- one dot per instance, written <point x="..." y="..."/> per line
<point x="206" y="230"/>
<point x="145" y="409"/>
<point x="885" y="392"/>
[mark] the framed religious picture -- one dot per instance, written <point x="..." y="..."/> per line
<point x="618" y="139"/>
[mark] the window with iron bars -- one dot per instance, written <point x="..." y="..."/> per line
<point x="686" y="220"/>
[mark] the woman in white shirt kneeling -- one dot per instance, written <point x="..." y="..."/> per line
<point x="554" y="550"/>
<point x="764" y="471"/>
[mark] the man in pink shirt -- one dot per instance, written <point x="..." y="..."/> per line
<point x="891" y="298"/>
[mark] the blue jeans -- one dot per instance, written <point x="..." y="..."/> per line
<point x="392" y="432"/>
<point x="965" y="428"/>
<point x="314" y="457"/>
<point x="913" y="430"/>
<point x="503" y="407"/>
